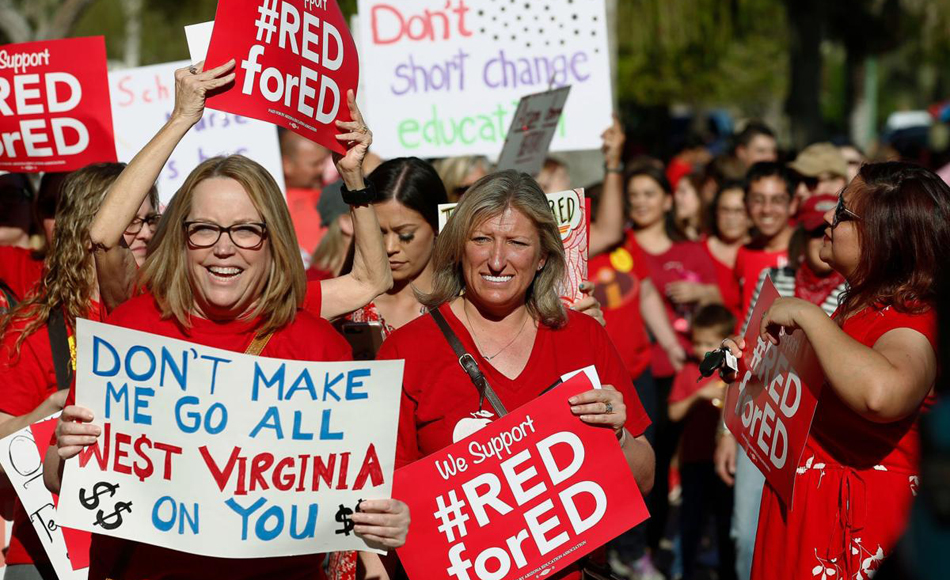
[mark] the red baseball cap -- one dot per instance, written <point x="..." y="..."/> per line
<point x="812" y="213"/>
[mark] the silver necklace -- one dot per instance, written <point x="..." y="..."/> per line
<point x="474" y="338"/>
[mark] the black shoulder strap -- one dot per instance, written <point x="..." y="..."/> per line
<point x="468" y="364"/>
<point x="59" y="343"/>
<point x="9" y="296"/>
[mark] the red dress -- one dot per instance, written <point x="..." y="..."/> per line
<point x="855" y="484"/>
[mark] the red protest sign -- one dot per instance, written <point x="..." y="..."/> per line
<point x="771" y="407"/>
<point x="295" y="62"/>
<point x="55" y="113"/>
<point x="529" y="493"/>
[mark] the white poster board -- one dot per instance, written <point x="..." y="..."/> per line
<point x="142" y="101"/>
<point x="22" y="463"/>
<point x="225" y="454"/>
<point x="444" y="78"/>
<point x="532" y="130"/>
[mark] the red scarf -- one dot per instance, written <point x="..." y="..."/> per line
<point x="814" y="288"/>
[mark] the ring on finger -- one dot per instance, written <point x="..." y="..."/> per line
<point x="193" y="70"/>
<point x="362" y="129"/>
<point x="608" y="408"/>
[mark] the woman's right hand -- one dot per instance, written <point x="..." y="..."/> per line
<point x="612" y="147"/>
<point x="74" y="431"/>
<point x="191" y="88"/>
<point x="736" y="345"/>
<point x="724" y="458"/>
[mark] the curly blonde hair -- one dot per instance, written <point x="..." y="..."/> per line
<point x="69" y="272"/>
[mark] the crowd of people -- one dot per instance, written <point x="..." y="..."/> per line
<point x="679" y="251"/>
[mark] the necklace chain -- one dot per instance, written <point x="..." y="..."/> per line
<point x="475" y="339"/>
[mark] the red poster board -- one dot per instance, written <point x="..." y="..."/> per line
<point x="771" y="407"/>
<point x="295" y="62"/>
<point x="527" y="494"/>
<point x="55" y="113"/>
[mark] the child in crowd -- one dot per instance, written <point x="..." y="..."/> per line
<point x="695" y="401"/>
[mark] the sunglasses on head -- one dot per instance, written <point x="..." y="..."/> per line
<point x="843" y="214"/>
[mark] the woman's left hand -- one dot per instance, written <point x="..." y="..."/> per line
<point x="603" y="406"/>
<point x="588" y="304"/>
<point x="358" y="138"/>
<point x="684" y="292"/>
<point x="783" y="314"/>
<point x="383" y="523"/>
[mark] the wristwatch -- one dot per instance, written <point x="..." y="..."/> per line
<point x="617" y="169"/>
<point x="363" y="196"/>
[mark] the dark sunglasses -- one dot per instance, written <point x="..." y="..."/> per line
<point x="842" y="214"/>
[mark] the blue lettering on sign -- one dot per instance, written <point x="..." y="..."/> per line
<point x="140" y="404"/>
<point x="325" y="433"/>
<point x="352" y="383"/>
<point x="328" y="386"/>
<point x="98" y="342"/>
<point x="178" y="513"/>
<point x="298" y="434"/>
<point x="270" y="523"/>
<point x="276" y="379"/>
<point x="193" y="416"/>
<point x="180" y="372"/>
<point x="120" y="396"/>
<point x="149" y="356"/>
<point x="215" y="418"/>
<point x="214" y="367"/>
<point x="270" y="420"/>
<point x="303" y="382"/>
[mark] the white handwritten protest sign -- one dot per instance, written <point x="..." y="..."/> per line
<point x="570" y="211"/>
<point x="224" y="454"/>
<point x="532" y="130"/>
<point x="143" y="99"/>
<point x="22" y="462"/>
<point x="446" y="76"/>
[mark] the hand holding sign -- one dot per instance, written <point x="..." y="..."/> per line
<point x="75" y="431"/>
<point x="357" y="139"/>
<point x="192" y="86"/>
<point x="780" y="318"/>
<point x="383" y="523"/>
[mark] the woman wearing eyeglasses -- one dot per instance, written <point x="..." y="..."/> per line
<point x="223" y="270"/>
<point x="859" y="471"/>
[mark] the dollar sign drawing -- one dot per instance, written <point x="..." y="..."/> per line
<point x="92" y="502"/>
<point x="113" y="520"/>
<point x="343" y="516"/>
<point x="143" y="472"/>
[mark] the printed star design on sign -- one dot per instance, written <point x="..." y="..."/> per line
<point x="513" y="19"/>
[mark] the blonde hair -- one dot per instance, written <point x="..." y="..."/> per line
<point x="454" y="170"/>
<point x="69" y="271"/>
<point x="487" y="198"/>
<point x="332" y="250"/>
<point x="165" y="271"/>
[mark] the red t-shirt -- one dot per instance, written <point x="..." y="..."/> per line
<point x="618" y="274"/>
<point x="728" y="285"/>
<point x="683" y="261"/>
<point x="438" y="397"/>
<point x="306" y="338"/>
<point x="20" y="270"/>
<point x="313" y="300"/>
<point x="698" y="442"/>
<point x="302" y="204"/>
<point x="29" y="378"/>
<point x="749" y="264"/>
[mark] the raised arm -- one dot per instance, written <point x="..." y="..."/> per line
<point x="130" y="189"/>
<point x="654" y="315"/>
<point x="370" y="275"/>
<point x="606" y="230"/>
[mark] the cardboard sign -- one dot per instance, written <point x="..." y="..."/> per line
<point x="224" y="454"/>
<point x="570" y="211"/>
<point x="771" y="407"/>
<point x="21" y="456"/>
<point x="447" y="75"/>
<point x="525" y="496"/>
<point x="295" y="62"/>
<point x="532" y="130"/>
<point x="54" y="105"/>
<point x="143" y="99"/>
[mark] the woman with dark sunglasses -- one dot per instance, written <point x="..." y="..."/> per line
<point x="859" y="470"/>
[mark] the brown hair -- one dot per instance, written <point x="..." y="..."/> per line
<point x="714" y="317"/>
<point x="904" y="227"/>
<point x="165" y="271"/>
<point x="487" y="198"/>
<point x="69" y="271"/>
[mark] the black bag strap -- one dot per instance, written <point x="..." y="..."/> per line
<point x="10" y="297"/>
<point x="468" y="364"/>
<point x="59" y="344"/>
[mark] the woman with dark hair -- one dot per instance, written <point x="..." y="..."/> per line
<point x="859" y="471"/>
<point x="728" y="226"/>
<point x="407" y="208"/>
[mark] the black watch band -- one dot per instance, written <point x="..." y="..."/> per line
<point x="363" y="196"/>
